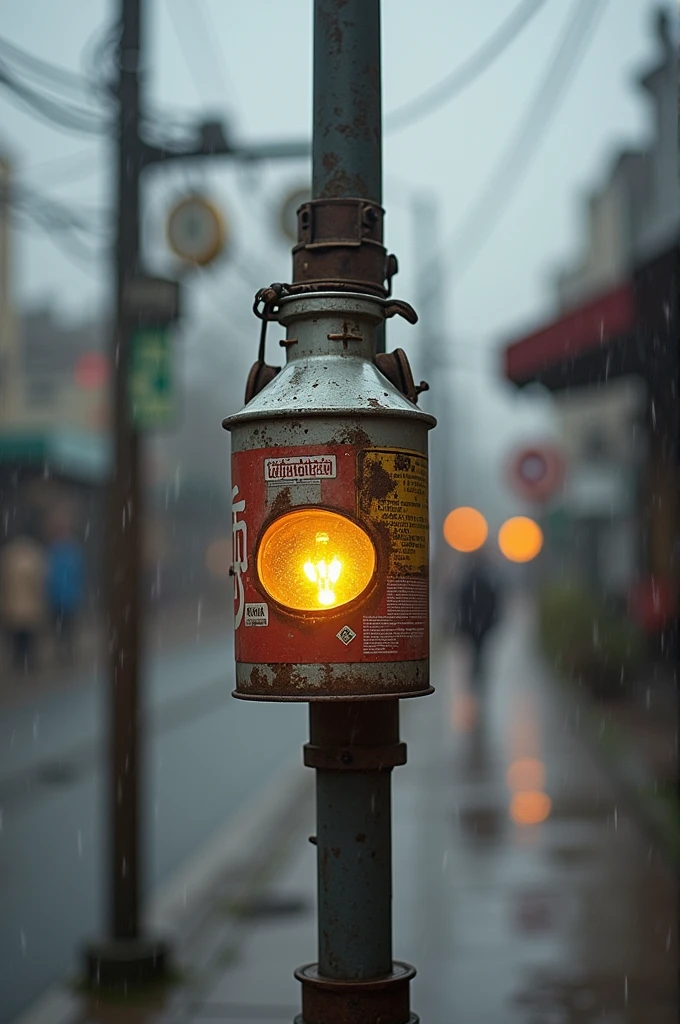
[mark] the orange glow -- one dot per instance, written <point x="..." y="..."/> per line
<point x="530" y="807"/>
<point x="527" y="773"/>
<point x="314" y="559"/>
<point x="465" y="529"/>
<point x="218" y="558"/>
<point x="520" y="539"/>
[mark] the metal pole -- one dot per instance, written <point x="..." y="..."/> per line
<point x="125" y="516"/>
<point x="354" y="841"/>
<point x="353" y="807"/>
<point x="347" y="139"/>
<point x="347" y="133"/>
<point x="125" y="960"/>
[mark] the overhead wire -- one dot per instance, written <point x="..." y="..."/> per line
<point x="466" y="73"/>
<point x="43" y="71"/>
<point x="61" y="227"/>
<point x="199" y="20"/>
<point x="486" y="210"/>
<point x="54" y="111"/>
<point x="59" y="214"/>
<point x="69" y="168"/>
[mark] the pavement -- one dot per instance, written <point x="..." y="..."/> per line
<point x="167" y="626"/>
<point x="526" y="888"/>
<point x="54" y="795"/>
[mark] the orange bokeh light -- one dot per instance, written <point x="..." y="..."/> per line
<point x="530" y="807"/>
<point x="465" y="529"/>
<point x="520" y="539"/>
<point x="527" y="773"/>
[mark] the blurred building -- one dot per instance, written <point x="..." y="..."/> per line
<point x="63" y="373"/>
<point x="610" y="358"/>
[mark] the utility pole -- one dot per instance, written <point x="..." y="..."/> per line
<point x="127" y="959"/>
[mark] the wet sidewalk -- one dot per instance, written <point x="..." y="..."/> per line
<point x="170" y="626"/>
<point x="525" y="892"/>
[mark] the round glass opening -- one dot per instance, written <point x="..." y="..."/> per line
<point x="312" y="560"/>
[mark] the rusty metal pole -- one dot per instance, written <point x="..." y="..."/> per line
<point x="338" y="428"/>
<point x="347" y="128"/>
<point x="352" y="746"/>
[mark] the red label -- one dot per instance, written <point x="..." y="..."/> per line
<point x="385" y="490"/>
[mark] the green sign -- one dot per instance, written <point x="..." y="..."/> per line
<point x="150" y="378"/>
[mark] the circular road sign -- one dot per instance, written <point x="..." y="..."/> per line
<point x="288" y="211"/>
<point x="196" y="231"/>
<point x="537" y="472"/>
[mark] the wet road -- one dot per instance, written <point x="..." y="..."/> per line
<point x="52" y="800"/>
<point x="525" y="892"/>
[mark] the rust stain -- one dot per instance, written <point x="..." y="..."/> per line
<point x="258" y="680"/>
<point x="378" y="483"/>
<point x="361" y="838"/>
<point x="287" y="677"/>
<point x="352" y="435"/>
<point x="335" y="850"/>
<point x="375" y="404"/>
<point x="282" y="502"/>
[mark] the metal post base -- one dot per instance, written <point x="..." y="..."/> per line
<point x="382" y="1000"/>
<point x="126" y="964"/>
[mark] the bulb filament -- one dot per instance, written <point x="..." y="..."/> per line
<point x="325" y="574"/>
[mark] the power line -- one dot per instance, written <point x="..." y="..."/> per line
<point x="466" y="73"/>
<point x="62" y="233"/>
<point x="51" y="109"/>
<point x="47" y="73"/>
<point x="469" y="238"/>
<point x="66" y="168"/>
<point x="186" y="28"/>
<point x="57" y="110"/>
<point x="52" y="213"/>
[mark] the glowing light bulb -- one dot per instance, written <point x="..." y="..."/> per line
<point x="311" y="559"/>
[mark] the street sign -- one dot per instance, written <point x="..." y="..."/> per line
<point x="536" y="473"/>
<point x="288" y="212"/>
<point x="150" y="378"/>
<point x="153" y="299"/>
<point x="196" y="231"/>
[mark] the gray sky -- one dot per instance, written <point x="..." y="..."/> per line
<point x="253" y="61"/>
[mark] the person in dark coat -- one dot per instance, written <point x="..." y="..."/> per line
<point x="478" y="608"/>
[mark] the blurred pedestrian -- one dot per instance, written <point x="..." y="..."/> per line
<point x="65" y="572"/>
<point x="22" y="597"/>
<point x="478" y="608"/>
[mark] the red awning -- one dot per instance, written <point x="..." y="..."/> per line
<point x="580" y="332"/>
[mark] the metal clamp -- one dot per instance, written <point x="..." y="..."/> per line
<point x="341" y="1001"/>
<point x="355" y="759"/>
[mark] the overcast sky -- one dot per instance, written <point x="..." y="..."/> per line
<point x="252" y="63"/>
